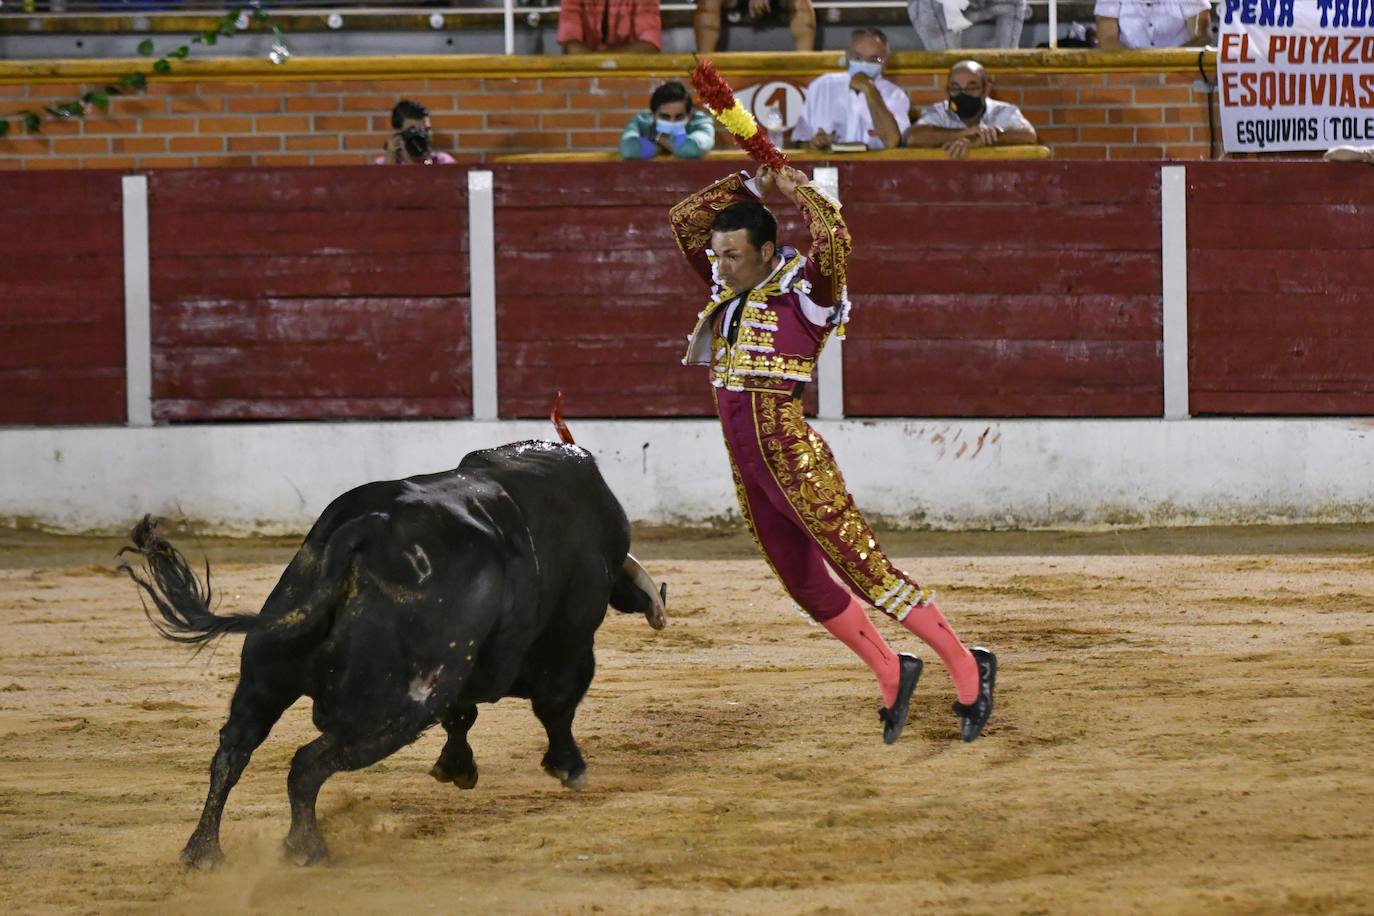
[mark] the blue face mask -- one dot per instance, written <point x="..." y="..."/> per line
<point x="670" y="128"/>
<point x="865" y="66"/>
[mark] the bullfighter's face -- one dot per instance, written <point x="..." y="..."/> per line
<point x="742" y="265"/>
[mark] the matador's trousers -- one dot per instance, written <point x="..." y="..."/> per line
<point x="795" y="501"/>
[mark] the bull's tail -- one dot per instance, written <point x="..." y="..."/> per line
<point x="169" y="582"/>
<point x="183" y="603"/>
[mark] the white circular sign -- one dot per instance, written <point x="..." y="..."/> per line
<point x="788" y="99"/>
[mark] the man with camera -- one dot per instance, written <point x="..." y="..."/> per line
<point x="410" y="143"/>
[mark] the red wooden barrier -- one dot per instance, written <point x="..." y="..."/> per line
<point x="1280" y="288"/>
<point x="310" y="293"/>
<point x="61" y="298"/>
<point x="1003" y="289"/>
<point x="995" y="289"/>
<point x="593" y="296"/>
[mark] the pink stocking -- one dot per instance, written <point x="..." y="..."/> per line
<point x="853" y="628"/>
<point x="927" y="622"/>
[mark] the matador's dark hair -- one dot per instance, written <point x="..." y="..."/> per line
<point x="753" y="217"/>
<point x="671" y="91"/>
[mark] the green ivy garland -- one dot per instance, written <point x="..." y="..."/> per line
<point x="234" y="21"/>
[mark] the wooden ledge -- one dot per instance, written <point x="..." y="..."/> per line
<point x="796" y="155"/>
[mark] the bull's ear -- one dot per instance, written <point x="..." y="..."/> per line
<point x="663" y="593"/>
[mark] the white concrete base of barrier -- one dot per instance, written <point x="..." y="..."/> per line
<point x="275" y="478"/>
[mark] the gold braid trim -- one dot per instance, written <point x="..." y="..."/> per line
<point x="829" y="235"/>
<point x="691" y="217"/>
<point x="805" y="471"/>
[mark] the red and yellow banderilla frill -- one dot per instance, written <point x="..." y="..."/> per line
<point x="715" y="93"/>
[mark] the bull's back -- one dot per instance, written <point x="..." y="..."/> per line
<point x="559" y="489"/>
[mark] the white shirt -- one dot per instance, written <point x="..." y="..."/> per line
<point x="833" y="107"/>
<point x="1152" y="23"/>
<point x="1002" y="115"/>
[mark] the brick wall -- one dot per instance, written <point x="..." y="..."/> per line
<point x="1103" y="107"/>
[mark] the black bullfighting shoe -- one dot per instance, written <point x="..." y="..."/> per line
<point x="894" y="719"/>
<point x="975" y="715"/>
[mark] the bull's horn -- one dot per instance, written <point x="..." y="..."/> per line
<point x="658" y="597"/>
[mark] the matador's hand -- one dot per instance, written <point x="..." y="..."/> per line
<point x="764" y="179"/>
<point x="789" y="179"/>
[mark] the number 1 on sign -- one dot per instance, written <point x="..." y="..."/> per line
<point x="784" y="97"/>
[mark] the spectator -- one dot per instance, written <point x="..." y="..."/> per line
<point x="610" y="27"/>
<point x="940" y="24"/>
<point x="801" y="19"/>
<point x="670" y="126"/>
<point x="1152" y="23"/>
<point x="969" y="118"/>
<point x="857" y="106"/>
<point x="409" y="144"/>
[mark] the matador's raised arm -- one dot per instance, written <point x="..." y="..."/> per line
<point x="692" y="217"/>
<point x="828" y="258"/>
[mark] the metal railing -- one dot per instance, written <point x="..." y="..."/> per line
<point x="333" y="12"/>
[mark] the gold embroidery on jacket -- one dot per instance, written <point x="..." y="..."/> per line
<point x="805" y="470"/>
<point x="831" y="244"/>
<point x="691" y="218"/>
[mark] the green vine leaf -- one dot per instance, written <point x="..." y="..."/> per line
<point x="138" y="81"/>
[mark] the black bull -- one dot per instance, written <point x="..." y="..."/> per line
<point x="410" y="602"/>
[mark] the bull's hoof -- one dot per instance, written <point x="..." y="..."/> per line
<point x="309" y="850"/>
<point x="201" y="854"/>
<point x="575" y="781"/>
<point x="467" y="780"/>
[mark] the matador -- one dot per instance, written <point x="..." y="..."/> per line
<point x="771" y="311"/>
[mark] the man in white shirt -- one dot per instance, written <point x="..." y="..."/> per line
<point x="859" y="105"/>
<point x="968" y="118"/>
<point x="1152" y="23"/>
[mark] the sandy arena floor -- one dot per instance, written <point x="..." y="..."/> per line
<point x="1185" y="723"/>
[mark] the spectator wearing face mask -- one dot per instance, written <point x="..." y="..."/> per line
<point x="859" y="105"/>
<point x="670" y="127"/>
<point x="968" y="118"/>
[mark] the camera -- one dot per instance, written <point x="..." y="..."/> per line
<point x="416" y="140"/>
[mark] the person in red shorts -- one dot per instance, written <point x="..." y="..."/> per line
<point x="610" y="26"/>
<point x="770" y="313"/>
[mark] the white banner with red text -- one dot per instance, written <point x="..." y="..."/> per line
<point x="1296" y="74"/>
